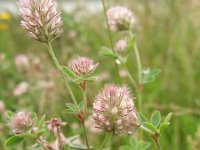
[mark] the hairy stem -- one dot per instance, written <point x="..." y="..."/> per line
<point x="61" y="73"/>
<point x="104" y="142"/>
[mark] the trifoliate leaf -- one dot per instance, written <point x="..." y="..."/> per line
<point x="155" y="118"/>
<point x="149" y="75"/>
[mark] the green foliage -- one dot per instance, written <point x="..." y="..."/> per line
<point x="149" y="75"/>
<point x="155" y="126"/>
<point x="41" y="122"/>
<point x="68" y="72"/>
<point x="155" y="118"/>
<point x="107" y="52"/>
<point x="13" y="141"/>
<point x="71" y="108"/>
<point x="142" y="118"/>
<point x="135" y="144"/>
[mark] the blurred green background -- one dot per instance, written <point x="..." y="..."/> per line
<point x="168" y="38"/>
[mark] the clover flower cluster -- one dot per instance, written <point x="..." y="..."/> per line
<point x="120" y="18"/>
<point x="40" y="19"/>
<point x="114" y="111"/>
<point x="20" y="122"/>
<point x="82" y="66"/>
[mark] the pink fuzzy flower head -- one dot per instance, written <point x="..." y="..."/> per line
<point x="121" y="46"/>
<point x="20" y="122"/>
<point x="120" y="18"/>
<point x="113" y="110"/>
<point x="82" y="66"/>
<point x="40" y="19"/>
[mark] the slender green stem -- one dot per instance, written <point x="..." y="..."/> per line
<point x="61" y="72"/>
<point x="109" y="30"/>
<point x="85" y="100"/>
<point x="104" y="142"/>
<point x="139" y="66"/>
<point x="129" y="76"/>
<point x="85" y="134"/>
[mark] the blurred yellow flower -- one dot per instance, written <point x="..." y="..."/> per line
<point x="3" y="26"/>
<point x="5" y="16"/>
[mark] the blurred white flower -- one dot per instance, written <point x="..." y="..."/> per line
<point x="22" y="62"/>
<point x="48" y="85"/>
<point x="72" y="34"/>
<point x="36" y="63"/>
<point x="21" y="88"/>
<point x="120" y="18"/>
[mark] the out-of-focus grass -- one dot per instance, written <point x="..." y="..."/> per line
<point x="168" y="38"/>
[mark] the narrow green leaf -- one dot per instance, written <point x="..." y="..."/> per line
<point x="71" y="108"/>
<point x="41" y="122"/>
<point x="163" y="127"/>
<point x="73" y="138"/>
<point x="68" y="72"/>
<point x="107" y="52"/>
<point x="143" y="118"/>
<point x="155" y="118"/>
<point x="13" y="140"/>
<point x="149" y="126"/>
<point x="40" y="132"/>
<point x="81" y="105"/>
<point x="168" y="118"/>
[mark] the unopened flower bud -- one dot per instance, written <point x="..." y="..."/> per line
<point x="121" y="46"/>
<point x="114" y="111"/>
<point x="120" y="18"/>
<point x="54" y="123"/>
<point x="40" y="19"/>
